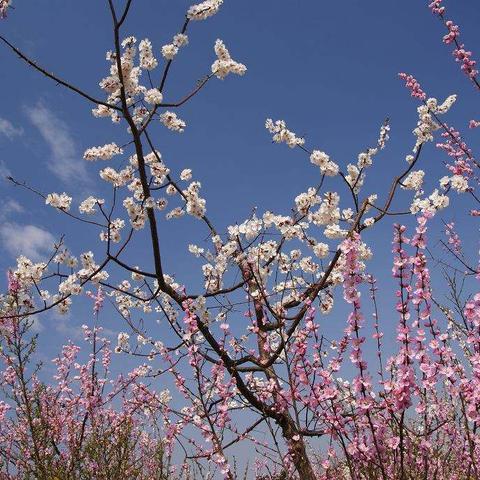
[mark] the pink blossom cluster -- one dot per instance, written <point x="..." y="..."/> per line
<point x="414" y="87"/>
<point x="463" y="56"/>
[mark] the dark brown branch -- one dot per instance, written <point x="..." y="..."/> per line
<point x="54" y="77"/>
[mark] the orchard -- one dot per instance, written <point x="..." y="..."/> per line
<point x="273" y="346"/>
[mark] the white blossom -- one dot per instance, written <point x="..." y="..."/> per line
<point x="321" y="250"/>
<point x="368" y="222"/>
<point x="195" y="204"/>
<point x="322" y="160"/>
<point x="4" y="4"/>
<point x="436" y="201"/>
<point x="224" y="63"/>
<point x="88" y="205"/>
<point x="123" y="342"/>
<point x="414" y="180"/>
<point x="186" y="174"/>
<point x="59" y="200"/>
<point x="70" y="286"/>
<point x="172" y="122"/>
<point x="147" y="60"/>
<point x="328" y="212"/>
<point x="334" y="231"/>
<point x="135" y="212"/>
<point x="104" y="152"/>
<point x="282" y="134"/>
<point x="250" y="228"/>
<point x="113" y="233"/>
<point x="195" y="250"/>
<point x="203" y="10"/>
<point x="177" y="212"/>
<point x="171" y="49"/>
<point x="459" y="183"/>
<point x="118" y="179"/>
<point x="306" y="200"/>
<point x="153" y="96"/>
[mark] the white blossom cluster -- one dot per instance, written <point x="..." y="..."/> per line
<point x="426" y="124"/>
<point x="117" y="178"/>
<point x="104" y="152"/>
<point x="59" y="200"/>
<point x="129" y="72"/>
<point x="203" y="10"/>
<point x="321" y="250"/>
<point x="281" y="134"/>
<point x="123" y="342"/>
<point x="250" y="228"/>
<point x="329" y="212"/>
<point x="70" y="286"/>
<point x="436" y="201"/>
<point x="356" y="173"/>
<point x="27" y="272"/>
<point x="88" y="205"/>
<point x="459" y="183"/>
<point x="114" y="230"/>
<point x="195" y="204"/>
<point x="64" y="257"/>
<point x="414" y="180"/>
<point x="186" y="174"/>
<point x="4" y="4"/>
<point x="305" y="201"/>
<point x="146" y="57"/>
<point x="89" y="267"/>
<point x="128" y="78"/>
<point x="136" y="213"/>
<point x="158" y="170"/>
<point x="355" y="177"/>
<point x="171" y="49"/>
<point x="30" y="274"/>
<point x="334" y="231"/>
<point x="214" y="270"/>
<point x="172" y="122"/>
<point x="153" y="96"/>
<point x="322" y="160"/>
<point x="224" y="63"/>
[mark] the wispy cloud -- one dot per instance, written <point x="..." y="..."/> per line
<point x="4" y="170"/>
<point x="10" y="207"/>
<point x="29" y="240"/>
<point x="65" y="162"/>
<point x="8" y="130"/>
<point x="63" y="324"/>
<point x="37" y="324"/>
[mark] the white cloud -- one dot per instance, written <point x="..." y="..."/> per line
<point x="4" y="170"/>
<point x="64" y="325"/>
<point x="65" y="162"/>
<point x="29" y="240"/>
<point x="10" y="207"/>
<point x="37" y="324"/>
<point x="7" y="129"/>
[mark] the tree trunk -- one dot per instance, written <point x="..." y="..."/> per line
<point x="298" y="452"/>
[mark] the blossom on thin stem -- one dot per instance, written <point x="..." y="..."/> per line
<point x="224" y="64"/>
<point x="462" y="56"/>
<point x="412" y="84"/>
<point x="203" y="10"/>
<point x="282" y="134"/>
<point x="4" y="5"/>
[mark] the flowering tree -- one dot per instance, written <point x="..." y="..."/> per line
<point x="247" y="350"/>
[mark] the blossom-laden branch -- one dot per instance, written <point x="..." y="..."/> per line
<point x="462" y="56"/>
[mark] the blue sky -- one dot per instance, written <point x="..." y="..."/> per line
<point x="328" y="68"/>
